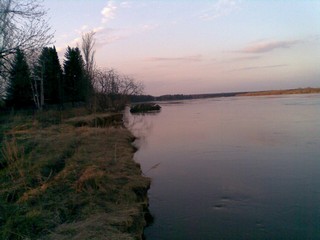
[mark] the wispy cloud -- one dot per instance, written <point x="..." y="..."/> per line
<point x="125" y="4"/>
<point x="220" y="9"/>
<point x="108" y="12"/>
<point x="268" y="46"/>
<point x="193" y="58"/>
<point x="258" y="67"/>
<point x="245" y="58"/>
<point x="240" y="59"/>
<point x="110" y="35"/>
<point x="107" y="35"/>
<point x="149" y="27"/>
<point x="82" y="29"/>
<point x="104" y="34"/>
<point x="98" y="29"/>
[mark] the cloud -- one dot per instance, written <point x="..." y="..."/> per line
<point x="193" y="58"/>
<point x="246" y="58"/>
<point x="107" y="36"/>
<point x="259" y="67"/>
<point x="240" y="59"/>
<point x="108" y="12"/>
<point x="263" y="46"/>
<point x="98" y="29"/>
<point x="220" y="9"/>
<point x="75" y="42"/>
<point x="102" y="41"/>
<point x="125" y="4"/>
<point x="149" y="27"/>
<point x="82" y="29"/>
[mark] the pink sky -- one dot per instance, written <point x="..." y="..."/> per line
<point x="198" y="46"/>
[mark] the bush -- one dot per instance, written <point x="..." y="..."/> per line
<point x="144" y="107"/>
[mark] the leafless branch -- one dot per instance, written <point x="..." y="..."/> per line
<point x="113" y="89"/>
<point x="22" y="25"/>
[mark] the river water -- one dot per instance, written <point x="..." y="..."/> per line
<point x="235" y="168"/>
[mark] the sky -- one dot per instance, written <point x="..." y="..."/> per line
<point x="203" y="46"/>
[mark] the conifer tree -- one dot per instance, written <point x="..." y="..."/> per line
<point x="75" y="83"/>
<point x="19" y="92"/>
<point x="48" y="70"/>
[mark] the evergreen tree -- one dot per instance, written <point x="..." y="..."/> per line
<point x="19" y="92"/>
<point x="48" y="70"/>
<point x="75" y="82"/>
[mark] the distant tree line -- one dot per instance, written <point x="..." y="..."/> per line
<point x="175" y="97"/>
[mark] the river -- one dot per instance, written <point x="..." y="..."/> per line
<point x="237" y="168"/>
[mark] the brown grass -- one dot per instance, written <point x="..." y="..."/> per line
<point x="71" y="182"/>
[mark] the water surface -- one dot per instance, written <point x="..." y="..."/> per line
<point x="236" y="168"/>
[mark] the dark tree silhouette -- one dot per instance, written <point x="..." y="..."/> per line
<point x="75" y="83"/>
<point x="48" y="72"/>
<point x="19" y="93"/>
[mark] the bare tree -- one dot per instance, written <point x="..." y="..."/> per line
<point x="129" y="87"/>
<point x="87" y="46"/>
<point x="22" y="25"/>
<point x="113" y="90"/>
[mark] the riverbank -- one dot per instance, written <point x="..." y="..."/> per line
<point x="68" y="176"/>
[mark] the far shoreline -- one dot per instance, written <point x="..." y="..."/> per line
<point x="282" y="92"/>
<point x="175" y="97"/>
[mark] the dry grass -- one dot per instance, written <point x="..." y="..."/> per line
<point x="96" y="120"/>
<point x="61" y="181"/>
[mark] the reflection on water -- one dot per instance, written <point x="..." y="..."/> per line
<point x="233" y="168"/>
